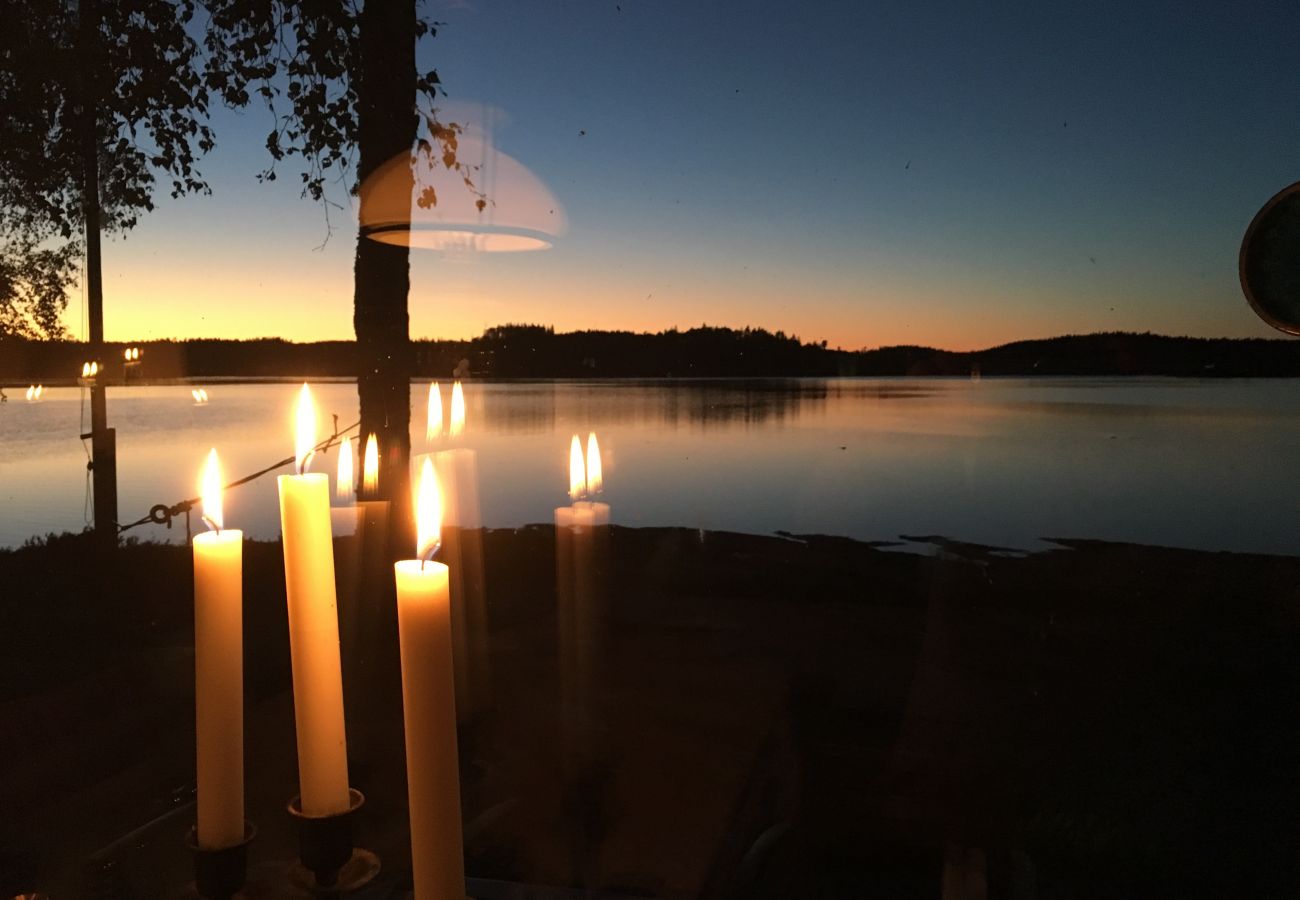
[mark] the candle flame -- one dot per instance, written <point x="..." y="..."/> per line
<point x="577" y="470"/>
<point x="40" y="389"/>
<point x="457" y="411"/>
<point x="304" y="442"/>
<point x="94" y="369"/>
<point x="595" y="476"/>
<point x="346" y="485"/>
<point x="370" y="467"/>
<point x="85" y="370"/>
<point x="126" y="354"/>
<point x="434" y="428"/>
<point x="31" y="392"/>
<point x="210" y="490"/>
<point x="428" y="513"/>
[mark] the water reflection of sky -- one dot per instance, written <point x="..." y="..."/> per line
<point x="1003" y="461"/>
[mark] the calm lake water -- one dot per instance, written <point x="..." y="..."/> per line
<point x="1007" y="462"/>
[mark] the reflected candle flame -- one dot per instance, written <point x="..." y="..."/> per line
<point x="305" y="431"/>
<point x="370" y="467"/>
<point x="428" y="513"/>
<point x="434" y="428"/>
<point x="457" y="411"/>
<point x="595" y="475"/>
<point x="210" y="491"/>
<point x="40" y="389"/>
<point x="577" y="470"/>
<point x="345" y="487"/>
<point x="31" y="392"/>
<point x="85" y="370"/>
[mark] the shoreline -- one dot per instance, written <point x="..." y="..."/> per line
<point x="196" y="380"/>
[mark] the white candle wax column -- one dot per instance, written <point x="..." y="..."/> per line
<point x="429" y="709"/>
<point x="313" y="629"/>
<point x="218" y="673"/>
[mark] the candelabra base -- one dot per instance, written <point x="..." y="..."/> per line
<point x="219" y="874"/>
<point x="330" y="864"/>
<point x="357" y="872"/>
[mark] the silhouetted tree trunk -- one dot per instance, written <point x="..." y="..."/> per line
<point x="386" y="125"/>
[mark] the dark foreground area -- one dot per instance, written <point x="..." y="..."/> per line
<point x="759" y="717"/>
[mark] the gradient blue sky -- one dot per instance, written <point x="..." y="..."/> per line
<point x="956" y="175"/>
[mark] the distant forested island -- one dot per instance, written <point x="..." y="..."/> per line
<point x="536" y="351"/>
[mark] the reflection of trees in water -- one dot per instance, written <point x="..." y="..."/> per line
<point x="541" y="407"/>
<point x="538" y="407"/>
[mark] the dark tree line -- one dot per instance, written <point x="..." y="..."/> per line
<point x="529" y="351"/>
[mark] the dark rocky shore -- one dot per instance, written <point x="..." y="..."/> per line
<point x="761" y="717"/>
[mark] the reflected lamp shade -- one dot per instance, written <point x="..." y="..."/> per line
<point x="519" y="212"/>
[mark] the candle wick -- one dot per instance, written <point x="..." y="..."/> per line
<point x="211" y="524"/>
<point x="430" y="554"/>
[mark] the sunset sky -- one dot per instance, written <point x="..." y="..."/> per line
<point x="949" y="174"/>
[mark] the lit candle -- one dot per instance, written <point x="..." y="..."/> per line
<point x="429" y="707"/>
<point x="345" y="486"/>
<point x="462" y="549"/>
<point x="580" y="545"/>
<point x="343" y="516"/>
<point x="370" y="468"/>
<point x="457" y="427"/>
<point x="218" y="672"/>
<point x="565" y="515"/>
<point x="433" y="429"/>
<point x="313" y="626"/>
<point x="373" y="512"/>
<point x="596" y="481"/>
